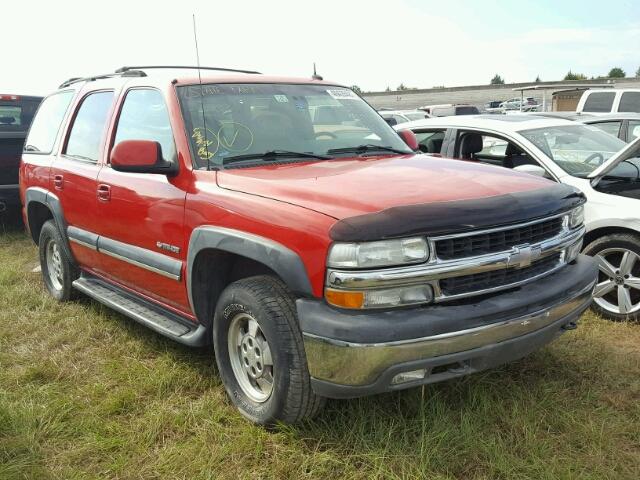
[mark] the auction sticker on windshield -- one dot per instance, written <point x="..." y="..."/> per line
<point x="342" y="94"/>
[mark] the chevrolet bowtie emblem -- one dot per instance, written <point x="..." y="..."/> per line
<point x="523" y="255"/>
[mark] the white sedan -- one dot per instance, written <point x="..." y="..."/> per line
<point x="603" y="167"/>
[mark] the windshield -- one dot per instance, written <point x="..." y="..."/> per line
<point x="577" y="149"/>
<point x="246" y="119"/>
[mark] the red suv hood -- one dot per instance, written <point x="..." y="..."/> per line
<point x="348" y="187"/>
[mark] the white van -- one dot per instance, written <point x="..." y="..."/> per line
<point x="611" y="100"/>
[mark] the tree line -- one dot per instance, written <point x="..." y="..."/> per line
<point x="615" y="72"/>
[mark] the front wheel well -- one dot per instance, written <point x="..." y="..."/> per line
<point x="37" y="214"/>
<point x="213" y="270"/>
<point x="601" y="232"/>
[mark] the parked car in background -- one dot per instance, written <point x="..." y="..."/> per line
<point x="493" y="107"/>
<point x="527" y="104"/>
<point x="16" y="114"/>
<point x="447" y="110"/>
<point x="625" y="126"/>
<point x="582" y="156"/>
<point x="609" y="100"/>
<point x="402" y="116"/>
<point x="320" y="260"/>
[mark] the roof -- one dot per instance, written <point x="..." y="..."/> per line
<point x="189" y="76"/>
<point x="506" y="123"/>
<point x="588" y="118"/>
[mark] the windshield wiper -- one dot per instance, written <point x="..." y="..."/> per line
<point x="272" y="155"/>
<point x="369" y="147"/>
<point x="31" y="148"/>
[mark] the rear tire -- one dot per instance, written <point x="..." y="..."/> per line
<point x="58" y="272"/>
<point x="260" y="353"/>
<point x="617" y="295"/>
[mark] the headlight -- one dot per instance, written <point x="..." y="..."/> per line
<point x="385" y="253"/>
<point x="576" y="217"/>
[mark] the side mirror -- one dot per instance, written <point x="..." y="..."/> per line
<point x="409" y="138"/>
<point x="391" y="121"/>
<point x="140" y="156"/>
<point x="536" y="170"/>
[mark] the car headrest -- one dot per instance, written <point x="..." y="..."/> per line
<point x="512" y="150"/>
<point x="471" y="143"/>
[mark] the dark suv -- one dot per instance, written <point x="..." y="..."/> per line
<point x="16" y="114"/>
<point x="318" y="253"/>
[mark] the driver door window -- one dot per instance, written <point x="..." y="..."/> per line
<point x="633" y="130"/>
<point x="612" y="128"/>
<point x="144" y="116"/>
<point x="430" y="141"/>
<point x="494" y="150"/>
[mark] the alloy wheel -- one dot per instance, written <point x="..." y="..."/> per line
<point x="618" y="288"/>
<point x="54" y="264"/>
<point x="250" y="356"/>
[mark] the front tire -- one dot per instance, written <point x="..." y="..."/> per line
<point x="260" y="353"/>
<point x="617" y="295"/>
<point x="58" y="272"/>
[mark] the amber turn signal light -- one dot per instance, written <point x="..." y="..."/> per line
<point x="344" y="299"/>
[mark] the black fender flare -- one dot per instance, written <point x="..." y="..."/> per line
<point x="282" y="260"/>
<point x="52" y="202"/>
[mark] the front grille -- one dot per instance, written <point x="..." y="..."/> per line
<point x="497" y="278"/>
<point x="472" y="245"/>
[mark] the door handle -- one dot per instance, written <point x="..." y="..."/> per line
<point x="58" y="182"/>
<point x="104" y="192"/>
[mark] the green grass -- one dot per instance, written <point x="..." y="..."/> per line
<point x="87" y="393"/>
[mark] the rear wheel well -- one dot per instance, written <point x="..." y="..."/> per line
<point x="37" y="214"/>
<point x="601" y="232"/>
<point x="213" y="270"/>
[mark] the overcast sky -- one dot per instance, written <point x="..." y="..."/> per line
<point x="373" y="44"/>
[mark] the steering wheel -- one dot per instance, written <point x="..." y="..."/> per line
<point x="594" y="156"/>
<point x="326" y="134"/>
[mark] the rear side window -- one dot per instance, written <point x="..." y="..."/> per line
<point x="46" y="124"/>
<point x="629" y="102"/>
<point x="144" y="116"/>
<point x="599" y="102"/>
<point x="88" y="127"/>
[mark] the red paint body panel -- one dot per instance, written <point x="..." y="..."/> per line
<point x="344" y="188"/>
<point x="294" y="205"/>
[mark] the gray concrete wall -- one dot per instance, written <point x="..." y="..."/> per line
<point x="475" y="95"/>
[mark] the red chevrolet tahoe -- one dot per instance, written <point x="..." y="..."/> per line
<point x="284" y="222"/>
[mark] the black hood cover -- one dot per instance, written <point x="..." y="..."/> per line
<point x="443" y="218"/>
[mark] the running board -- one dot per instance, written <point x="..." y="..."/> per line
<point x="142" y="311"/>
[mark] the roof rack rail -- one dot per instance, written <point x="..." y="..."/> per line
<point x="220" y="69"/>
<point x="126" y="73"/>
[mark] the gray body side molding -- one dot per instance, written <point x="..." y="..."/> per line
<point x="45" y="197"/>
<point x="282" y="260"/>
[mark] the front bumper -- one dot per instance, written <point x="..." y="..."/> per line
<point x="352" y="354"/>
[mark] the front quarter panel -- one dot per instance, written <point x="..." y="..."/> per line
<point x="301" y="231"/>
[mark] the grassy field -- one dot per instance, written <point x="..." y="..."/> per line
<point x="86" y="393"/>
